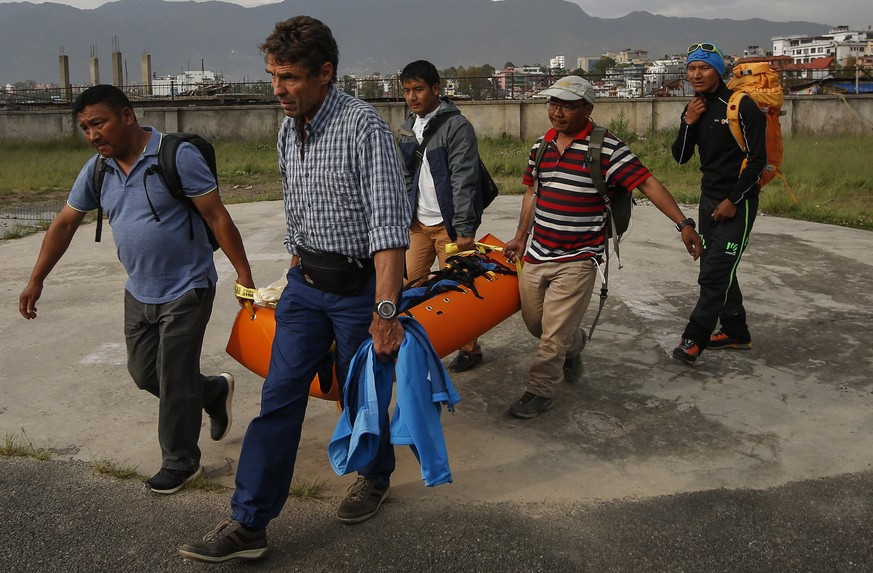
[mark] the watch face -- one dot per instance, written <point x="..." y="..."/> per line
<point x="386" y="309"/>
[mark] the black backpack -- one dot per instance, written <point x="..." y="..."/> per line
<point x="166" y="168"/>
<point x="487" y="185"/>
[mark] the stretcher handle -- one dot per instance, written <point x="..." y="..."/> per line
<point x="247" y="293"/>
<point x="452" y="248"/>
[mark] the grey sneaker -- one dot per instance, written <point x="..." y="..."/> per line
<point x="168" y="481"/>
<point x="363" y="500"/>
<point x="219" y="412"/>
<point x="530" y="406"/>
<point x="230" y="540"/>
<point x="573" y="368"/>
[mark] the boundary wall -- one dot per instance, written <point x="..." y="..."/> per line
<point x="523" y="119"/>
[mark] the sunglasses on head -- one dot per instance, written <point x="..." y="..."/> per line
<point x="706" y="47"/>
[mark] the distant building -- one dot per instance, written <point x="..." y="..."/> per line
<point x="840" y="43"/>
<point x="628" y="56"/>
<point x="183" y="83"/>
<point x="586" y="63"/>
<point x="624" y="81"/>
<point x="520" y="83"/>
<point x="754" y="52"/>
<point x="662" y="74"/>
<point x="557" y="63"/>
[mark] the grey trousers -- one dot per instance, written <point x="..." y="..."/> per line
<point x="163" y="357"/>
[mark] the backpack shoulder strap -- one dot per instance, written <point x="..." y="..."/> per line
<point x="97" y="178"/>
<point x="541" y="150"/>
<point x="167" y="149"/>
<point x="595" y="150"/>
<point x="733" y="117"/>
<point x="432" y="126"/>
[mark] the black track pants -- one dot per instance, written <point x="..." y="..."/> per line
<point x="721" y="299"/>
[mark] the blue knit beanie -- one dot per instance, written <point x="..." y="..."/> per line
<point x="714" y="59"/>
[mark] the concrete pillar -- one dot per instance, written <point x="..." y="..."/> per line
<point x="117" y="75"/>
<point x="95" y="71"/>
<point x="147" y="74"/>
<point x="66" y="87"/>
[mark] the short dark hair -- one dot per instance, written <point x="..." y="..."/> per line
<point x="420" y="69"/>
<point x="113" y="97"/>
<point x="305" y="41"/>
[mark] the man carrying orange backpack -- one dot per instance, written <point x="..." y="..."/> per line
<point x="728" y="200"/>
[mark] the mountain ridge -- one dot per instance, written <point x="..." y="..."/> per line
<point x="373" y="35"/>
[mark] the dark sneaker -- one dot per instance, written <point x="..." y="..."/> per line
<point x="169" y="481"/>
<point x="465" y="361"/>
<point x="219" y="412"/>
<point x="230" y="540"/>
<point x="531" y="406"/>
<point x="688" y="351"/>
<point x="573" y="368"/>
<point x="363" y="500"/>
<point x="721" y="340"/>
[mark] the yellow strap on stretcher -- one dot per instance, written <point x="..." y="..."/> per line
<point x="244" y="292"/>
<point x="248" y="293"/>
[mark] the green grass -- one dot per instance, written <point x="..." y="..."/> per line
<point x="307" y="489"/>
<point x="114" y="469"/>
<point x="118" y="470"/>
<point x="19" y="445"/>
<point x="832" y="176"/>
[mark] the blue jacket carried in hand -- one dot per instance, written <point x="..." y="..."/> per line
<point x="423" y="385"/>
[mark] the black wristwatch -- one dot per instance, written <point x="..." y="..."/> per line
<point x="689" y="222"/>
<point x="385" y="309"/>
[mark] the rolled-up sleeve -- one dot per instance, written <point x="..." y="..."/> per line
<point x="383" y="189"/>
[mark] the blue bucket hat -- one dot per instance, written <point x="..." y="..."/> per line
<point x="708" y="53"/>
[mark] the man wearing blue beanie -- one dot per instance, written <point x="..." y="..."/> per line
<point x="708" y="53"/>
<point x="728" y="201"/>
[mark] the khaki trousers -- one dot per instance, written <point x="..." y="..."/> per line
<point x="427" y="243"/>
<point x="554" y="298"/>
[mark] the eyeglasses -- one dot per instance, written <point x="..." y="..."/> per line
<point x="563" y="106"/>
<point x="706" y="47"/>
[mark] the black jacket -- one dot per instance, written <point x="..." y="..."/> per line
<point x="720" y="156"/>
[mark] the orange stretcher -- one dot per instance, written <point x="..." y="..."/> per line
<point x="451" y="319"/>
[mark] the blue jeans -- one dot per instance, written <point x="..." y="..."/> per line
<point x="308" y="321"/>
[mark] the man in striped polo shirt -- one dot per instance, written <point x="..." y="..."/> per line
<point x="569" y="236"/>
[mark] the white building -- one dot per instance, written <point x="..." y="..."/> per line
<point x="841" y="43"/>
<point x="662" y="72"/>
<point x="557" y="63"/>
<point x="182" y="83"/>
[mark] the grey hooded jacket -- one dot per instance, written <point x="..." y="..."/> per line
<point x="453" y="157"/>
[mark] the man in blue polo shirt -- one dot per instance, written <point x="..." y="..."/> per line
<point x="171" y="275"/>
<point x="569" y="219"/>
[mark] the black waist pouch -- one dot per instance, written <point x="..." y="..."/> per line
<point x="335" y="273"/>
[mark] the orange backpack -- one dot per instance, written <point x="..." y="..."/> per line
<point x="760" y="82"/>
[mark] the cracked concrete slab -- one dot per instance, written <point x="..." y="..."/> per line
<point x="797" y="406"/>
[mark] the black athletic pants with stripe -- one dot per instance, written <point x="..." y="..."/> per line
<point x="721" y="299"/>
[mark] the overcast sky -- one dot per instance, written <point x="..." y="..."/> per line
<point x="834" y="12"/>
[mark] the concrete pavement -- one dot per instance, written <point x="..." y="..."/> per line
<point x="796" y="408"/>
